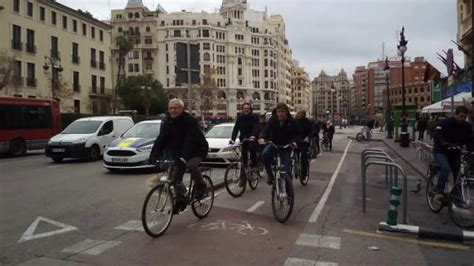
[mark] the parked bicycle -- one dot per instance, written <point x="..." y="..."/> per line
<point x="161" y="201"/>
<point x="460" y="198"/>
<point x="237" y="171"/>
<point x="283" y="197"/>
<point x="364" y="134"/>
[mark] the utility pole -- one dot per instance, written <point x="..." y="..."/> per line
<point x="188" y="55"/>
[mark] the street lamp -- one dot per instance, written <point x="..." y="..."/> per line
<point x="402" y="48"/>
<point x="333" y="93"/>
<point x="55" y="64"/>
<point x="388" y="115"/>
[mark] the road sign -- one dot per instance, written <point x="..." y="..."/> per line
<point x="29" y="234"/>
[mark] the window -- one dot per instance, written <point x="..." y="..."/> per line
<point x="53" y="17"/>
<point x="137" y="68"/>
<point x="93" y="58"/>
<point x="54" y="47"/>
<point x="16" y="75"/>
<point x="74" y="25"/>
<point x="64" y="22"/>
<point x="16" y="38"/>
<point x="75" y="53"/>
<point x="75" y="81"/>
<point x="147" y="28"/>
<point x="118" y="16"/>
<point x="42" y="13"/>
<point x="130" y="67"/>
<point x="30" y="41"/>
<point x="77" y="106"/>
<point x="30" y="75"/>
<point x="204" y="22"/>
<point x="93" y="32"/>
<point x="130" y="15"/>
<point x="84" y="29"/>
<point x="29" y="9"/>
<point x="177" y="33"/>
<point x="16" y="5"/>
<point x="137" y="15"/>
<point x="206" y="46"/>
<point x="136" y="55"/>
<point x="101" y="60"/>
<point x="102" y="85"/>
<point x="206" y="57"/>
<point x="205" y="33"/>
<point x="94" y="83"/>
<point x="239" y="71"/>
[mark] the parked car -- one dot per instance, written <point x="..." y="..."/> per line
<point x="87" y="138"/>
<point x="220" y="152"/>
<point x="132" y="149"/>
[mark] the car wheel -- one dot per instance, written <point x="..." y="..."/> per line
<point x="94" y="153"/>
<point x="17" y="147"/>
<point x="57" y="159"/>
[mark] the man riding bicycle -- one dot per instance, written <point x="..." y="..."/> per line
<point x="449" y="135"/>
<point x="306" y="129"/>
<point x="182" y="137"/>
<point x="282" y="130"/>
<point x="248" y="126"/>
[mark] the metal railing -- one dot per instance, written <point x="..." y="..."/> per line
<point x="392" y="169"/>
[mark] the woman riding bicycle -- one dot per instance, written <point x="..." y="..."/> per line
<point x="282" y="130"/>
<point x="449" y="135"/>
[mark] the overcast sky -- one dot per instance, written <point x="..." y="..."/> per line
<point x="335" y="34"/>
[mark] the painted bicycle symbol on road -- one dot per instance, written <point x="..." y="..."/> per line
<point x="243" y="228"/>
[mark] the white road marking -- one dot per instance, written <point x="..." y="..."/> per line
<point x="256" y="206"/>
<point x="303" y="262"/>
<point x="319" y="241"/>
<point x="54" y="166"/>
<point x="91" y="247"/>
<point x="317" y="211"/>
<point x="313" y="161"/>
<point x="29" y="234"/>
<point x="133" y="225"/>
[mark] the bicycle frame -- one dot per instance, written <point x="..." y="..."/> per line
<point x="279" y="168"/>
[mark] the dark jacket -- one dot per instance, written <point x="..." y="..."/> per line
<point x="306" y="127"/>
<point x="182" y="137"/>
<point x="421" y="125"/>
<point x="316" y="128"/>
<point x="248" y="125"/>
<point x="282" y="133"/>
<point x="449" y="132"/>
<point x="330" y="130"/>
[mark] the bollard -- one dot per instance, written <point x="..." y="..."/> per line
<point x="394" y="202"/>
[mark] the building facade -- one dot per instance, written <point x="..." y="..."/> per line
<point x="245" y="50"/>
<point x="331" y="96"/>
<point x="465" y="35"/>
<point x="56" y="52"/>
<point x="300" y="89"/>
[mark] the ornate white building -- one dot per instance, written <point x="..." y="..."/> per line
<point x="331" y="93"/>
<point x="245" y="50"/>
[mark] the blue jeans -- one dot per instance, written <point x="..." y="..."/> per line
<point x="269" y="153"/>
<point x="446" y="164"/>
<point x="303" y="148"/>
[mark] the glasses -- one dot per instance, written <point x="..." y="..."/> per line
<point x="174" y="108"/>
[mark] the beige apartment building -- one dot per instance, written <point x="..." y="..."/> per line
<point x="331" y="93"/>
<point x="56" y="52"/>
<point x="465" y="35"/>
<point x="245" y="51"/>
<point x="300" y="89"/>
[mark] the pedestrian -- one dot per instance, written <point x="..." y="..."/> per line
<point x="421" y="127"/>
<point x="430" y="126"/>
<point x="330" y="130"/>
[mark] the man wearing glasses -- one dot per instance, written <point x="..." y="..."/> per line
<point x="248" y="126"/>
<point x="449" y="136"/>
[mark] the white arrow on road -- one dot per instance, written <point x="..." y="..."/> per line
<point x="29" y="234"/>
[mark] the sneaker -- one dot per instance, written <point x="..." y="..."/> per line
<point x="179" y="206"/>
<point x="440" y="196"/>
<point x="200" y="191"/>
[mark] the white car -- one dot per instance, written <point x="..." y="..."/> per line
<point x="132" y="149"/>
<point x="220" y="152"/>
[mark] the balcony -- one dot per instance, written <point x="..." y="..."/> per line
<point x="148" y="58"/>
<point x="93" y="63"/>
<point x="31" y="82"/>
<point x="104" y="93"/>
<point x="17" y="45"/>
<point x="76" y="59"/>
<point x="55" y="54"/>
<point x="102" y="65"/>
<point x="31" y="48"/>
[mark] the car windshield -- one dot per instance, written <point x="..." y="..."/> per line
<point x="143" y="130"/>
<point x="82" y="127"/>
<point x="222" y="132"/>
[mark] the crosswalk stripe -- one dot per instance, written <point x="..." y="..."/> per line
<point x="133" y="225"/>
<point x="91" y="247"/>
<point x="319" y="241"/>
<point x="304" y="262"/>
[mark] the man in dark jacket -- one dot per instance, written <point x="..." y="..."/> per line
<point x="330" y="130"/>
<point x="248" y="126"/>
<point x="181" y="136"/>
<point x="421" y="127"/>
<point x="448" y="135"/>
<point x="282" y="130"/>
<point x="306" y="129"/>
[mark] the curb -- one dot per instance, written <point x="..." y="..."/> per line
<point x="405" y="160"/>
<point x="439" y="233"/>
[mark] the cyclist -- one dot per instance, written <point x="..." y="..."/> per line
<point x="181" y="135"/>
<point x="282" y="130"/>
<point x="329" y="131"/>
<point x="248" y="126"/>
<point x="306" y="129"/>
<point x="448" y="135"/>
<point x="315" y="134"/>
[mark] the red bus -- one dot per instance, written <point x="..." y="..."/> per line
<point x="27" y="124"/>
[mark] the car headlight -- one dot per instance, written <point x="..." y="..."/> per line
<point x="145" y="148"/>
<point x="79" y="141"/>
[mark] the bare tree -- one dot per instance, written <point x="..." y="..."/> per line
<point x="6" y="70"/>
<point x="207" y="90"/>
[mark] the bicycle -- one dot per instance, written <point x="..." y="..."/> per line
<point x="364" y="134"/>
<point x="298" y="167"/>
<point x="314" y="148"/>
<point x="283" y="196"/>
<point x="161" y="201"/>
<point x="325" y="142"/>
<point x="237" y="170"/>
<point x="460" y="199"/>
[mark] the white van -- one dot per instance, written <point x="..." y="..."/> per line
<point x="87" y="138"/>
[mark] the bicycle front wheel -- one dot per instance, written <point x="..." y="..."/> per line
<point x="434" y="204"/>
<point x="157" y="211"/>
<point x="359" y="137"/>
<point x="201" y="208"/>
<point x="232" y="179"/>
<point x="282" y="202"/>
<point x="253" y="179"/>
<point x="461" y="208"/>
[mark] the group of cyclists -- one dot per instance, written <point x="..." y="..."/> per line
<point x="183" y="142"/>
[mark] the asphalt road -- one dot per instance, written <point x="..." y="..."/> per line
<point x="77" y="213"/>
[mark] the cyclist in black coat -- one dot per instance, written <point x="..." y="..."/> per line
<point x="306" y="129"/>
